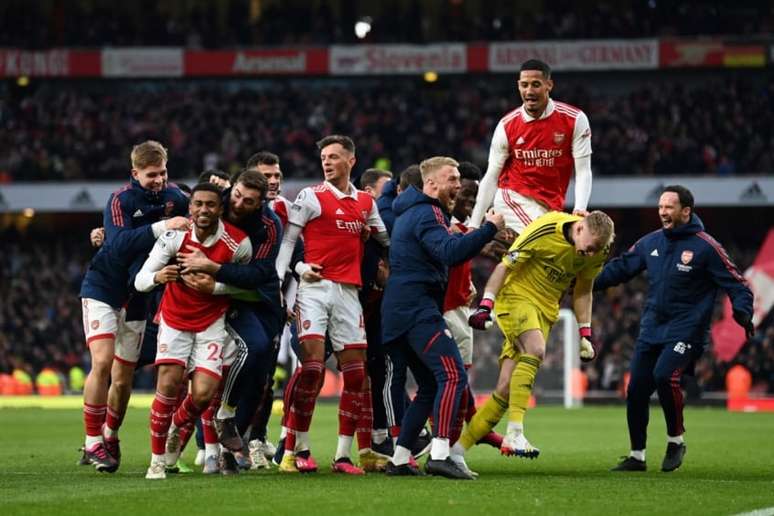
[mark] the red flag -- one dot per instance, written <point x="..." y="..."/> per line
<point x="727" y="336"/>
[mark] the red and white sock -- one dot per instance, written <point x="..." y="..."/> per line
<point x="365" y="420"/>
<point x="161" y="413"/>
<point x="113" y="422"/>
<point x="186" y="412"/>
<point x="304" y="396"/>
<point x="93" y="419"/>
<point x="353" y="375"/>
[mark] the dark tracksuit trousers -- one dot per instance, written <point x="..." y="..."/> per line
<point x="657" y="367"/>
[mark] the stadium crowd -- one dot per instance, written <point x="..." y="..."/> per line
<point x="40" y="322"/>
<point x="40" y="278"/>
<point x="234" y="23"/>
<point x="82" y="131"/>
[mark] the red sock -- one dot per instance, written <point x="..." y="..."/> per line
<point x="365" y="421"/>
<point x="208" y="414"/>
<point x="185" y="434"/>
<point x="290" y="441"/>
<point x="287" y="397"/>
<point x="208" y="427"/>
<point x="304" y="395"/>
<point x="349" y="403"/>
<point x="459" y="421"/>
<point x="93" y="418"/>
<point x="186" y="412"/>
<point x="160" y="419"/>
<point x="113" y="419"/>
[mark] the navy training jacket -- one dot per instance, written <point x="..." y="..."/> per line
<point x="129" y="238"/>
<point x="260" y="275"/>
<point x="686" y="267"/>
<point x="384" y="204"/>
<point x="422" y="248"/>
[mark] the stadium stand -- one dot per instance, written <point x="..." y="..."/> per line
<point x="686" y="124"/>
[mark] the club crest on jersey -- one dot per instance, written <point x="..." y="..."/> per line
<point x="686" y="257"/>
<point x="163" y="348"/>
<point x="168" y="207"/>
<point x="307" y="324"/>
<point x="558" y="138"/>
<point x="94" y="325"/>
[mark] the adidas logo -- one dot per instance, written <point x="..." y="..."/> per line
<point x="654" y="253"/>
<point x="520" y="141"/>
<point x="82" y="199"/>
<point x="753" y="193"/>
<point x="339" y="211"/>
<point x="655" y="193"/>
<point x="137" y="213"/>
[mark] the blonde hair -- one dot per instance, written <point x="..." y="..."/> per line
<point x="147" y="154"/>
<point x="430" y="165"/>
<point x="601" y="226"/>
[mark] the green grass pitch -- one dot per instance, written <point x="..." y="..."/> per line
<point x="729" y="468"/>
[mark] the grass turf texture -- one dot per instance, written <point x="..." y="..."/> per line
<point x="729" y="468"/>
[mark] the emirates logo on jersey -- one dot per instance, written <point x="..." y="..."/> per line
<point x="351" y="226"/>
<point x="537" y="157"/>
<point x="558" y="138"/>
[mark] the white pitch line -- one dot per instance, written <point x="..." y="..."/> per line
<point x="766" y="511"/>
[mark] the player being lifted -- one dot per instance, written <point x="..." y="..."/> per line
<point x="534" y="150"/>
<point x="192" y="326"/>
<point x="331" y="217"/>
<point x="524" y="291"/>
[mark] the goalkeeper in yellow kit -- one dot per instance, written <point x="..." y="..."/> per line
<point x="524" y="292"/>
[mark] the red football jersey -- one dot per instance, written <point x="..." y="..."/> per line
<point x="186" y="309"/>
<point x="281" y="206"/>
<point x="541" y="151"/>
<point x="332" y="223"/>
<point x="460" y="276"/>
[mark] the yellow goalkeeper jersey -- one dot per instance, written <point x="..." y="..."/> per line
<point x="542" y="264"/>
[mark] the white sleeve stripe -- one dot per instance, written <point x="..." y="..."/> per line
<point x="567" y="107"/>
<point x="510" y="116"/>
<point x="571" y="114"/>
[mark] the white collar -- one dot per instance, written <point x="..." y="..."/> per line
<point x="546" y="112"/>
<point x="210" y="241"/>
<point x="339" y="194"/>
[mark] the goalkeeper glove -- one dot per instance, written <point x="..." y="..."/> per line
<point x="481" y="319"/>
<point x="744" y="320"/>
<point x="588" y="351"/>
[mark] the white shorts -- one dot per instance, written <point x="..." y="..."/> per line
<point x="328" y="306"/>
<point x="102" y="321"/>
<point x="196" y="351"/>
<point x="517" y="209"/>
<point x="457" y="321"/>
